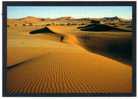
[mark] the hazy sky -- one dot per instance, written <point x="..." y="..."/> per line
<point x="74" y="11"/>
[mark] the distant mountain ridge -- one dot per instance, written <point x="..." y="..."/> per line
<point x="66" y="18"/>
<point x="30" y="18"/>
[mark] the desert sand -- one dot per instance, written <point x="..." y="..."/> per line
<point x="42" y="64"/>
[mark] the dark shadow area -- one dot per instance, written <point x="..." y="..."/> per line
<point x="101" y="27"/>
<point x="61" y="38"/>
<point x="42" y="30"/>
<point x="119" y="49"/>
<point x="46" y="30"/>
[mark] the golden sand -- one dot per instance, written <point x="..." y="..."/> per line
<point x="51" y="66"/>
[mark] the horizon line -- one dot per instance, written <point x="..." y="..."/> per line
<point x="70" y="16"/>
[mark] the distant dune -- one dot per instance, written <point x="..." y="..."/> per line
<point x="101" y="27"/>
<point x="30" y="19"/>
<point x="42" y="30"/>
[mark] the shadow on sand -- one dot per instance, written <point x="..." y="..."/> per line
<point x="42" y="30"/>
<point x="101" y="27"/>
<point x="119" y="49"/>
<point x="46" y="30"/>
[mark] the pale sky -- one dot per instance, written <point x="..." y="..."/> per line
<point x="74" y="11"/>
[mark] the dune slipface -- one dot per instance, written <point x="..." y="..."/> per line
<point x="51" y="66"/>
<point x="42" y="30"/>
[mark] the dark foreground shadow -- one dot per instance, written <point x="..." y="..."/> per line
<point x="119" y="49"/>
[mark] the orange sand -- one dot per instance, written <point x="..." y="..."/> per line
<point x="47" y="66"/>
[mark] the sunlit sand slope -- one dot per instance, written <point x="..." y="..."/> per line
<point x="69" y="69"/>
<point x="39" y="66"/>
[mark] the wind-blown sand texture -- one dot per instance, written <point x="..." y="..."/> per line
<point x="39" y="64"/>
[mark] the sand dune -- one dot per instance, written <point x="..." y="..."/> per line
<point x="65" y="70"/>
<point x="101" y="27"/>
<point x="51" y="66"/>
<point x="115" y="44"/>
